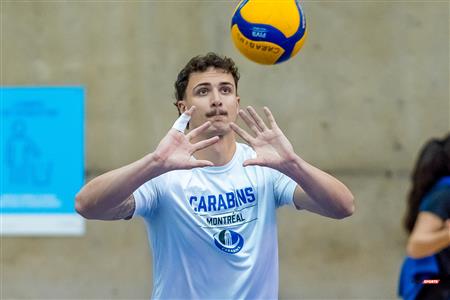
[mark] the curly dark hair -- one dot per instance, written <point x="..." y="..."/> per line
<point x="199" y="64"/>
<point x="432" y="164"/>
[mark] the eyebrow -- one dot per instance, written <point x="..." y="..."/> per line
<point x="209" y="84"/>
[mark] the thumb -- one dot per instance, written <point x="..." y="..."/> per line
<point x="201" y="163"/>
<point x="190" y="110"/>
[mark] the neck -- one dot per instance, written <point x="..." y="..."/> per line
<point x="221" y="152"/>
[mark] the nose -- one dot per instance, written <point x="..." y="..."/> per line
<point x="216" y="101"/>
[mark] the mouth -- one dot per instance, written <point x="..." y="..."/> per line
<point x="217" y="119"/>
<point x="216" y="113"/>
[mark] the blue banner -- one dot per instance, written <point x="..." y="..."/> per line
<point x="42" y="149"/>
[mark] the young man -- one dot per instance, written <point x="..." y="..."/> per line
<point x="210" y="203"/>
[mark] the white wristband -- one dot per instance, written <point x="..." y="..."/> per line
<point x="181" y="123"/>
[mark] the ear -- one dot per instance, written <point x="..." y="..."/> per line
<point x="238" y="103"/>
<point x="182" y="107"/>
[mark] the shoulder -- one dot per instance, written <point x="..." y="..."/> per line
<point x="437" y="202"/>
<point x="160" y="183"/>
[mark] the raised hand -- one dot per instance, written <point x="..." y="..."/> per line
<point x="175" y="150"/>
<point x="272" y="147"/>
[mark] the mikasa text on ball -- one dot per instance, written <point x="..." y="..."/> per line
<point x="268" y="31"/>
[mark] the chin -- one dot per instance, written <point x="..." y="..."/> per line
<point x="219" y="129"/>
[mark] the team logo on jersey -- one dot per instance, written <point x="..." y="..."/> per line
<point x="229" y="241"/>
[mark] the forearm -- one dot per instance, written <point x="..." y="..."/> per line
<point x="328" y="192"/>
<point x="421" y="245"/>
<point x="111" y="189"/>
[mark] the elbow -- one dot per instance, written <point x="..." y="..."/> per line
<point x="348" y="208"/>
<point x="347" y="212"/>
<point x="413" y="251"/>
<point x="351" y="206"/>
<point x="80" y="206"/>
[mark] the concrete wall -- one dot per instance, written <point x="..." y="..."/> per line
<point x="369" y="87"/>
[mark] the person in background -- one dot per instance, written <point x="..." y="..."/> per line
<point x="427" y="219"/>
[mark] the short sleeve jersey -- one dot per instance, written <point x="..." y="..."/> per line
<point x="437" y="202"/>
<point x="213" y="230"/>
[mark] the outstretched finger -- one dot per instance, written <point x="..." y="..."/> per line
<point x="195" y="132"/>
<point x="262" y="126"/>
<point x="272" y="122"/>
<point x="205" y="143"/>
<point x="242" y="133"/>
<point x="250" y="123"/>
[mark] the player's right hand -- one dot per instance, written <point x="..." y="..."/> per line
<point x="175" y="150"/>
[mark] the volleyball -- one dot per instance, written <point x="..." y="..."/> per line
<point x="268" y="31"/>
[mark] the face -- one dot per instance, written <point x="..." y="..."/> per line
<point x="213" y="93"/>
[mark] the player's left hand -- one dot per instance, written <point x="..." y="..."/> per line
<point x="272" y="147"/>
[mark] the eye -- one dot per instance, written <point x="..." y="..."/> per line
<point x="226" y="90"/>
<point x="202" y="91"/>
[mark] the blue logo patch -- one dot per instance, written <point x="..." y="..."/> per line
<point x="229" y="241"/>
<point x="259" y="32"/>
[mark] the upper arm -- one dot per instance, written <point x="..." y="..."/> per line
<point x="303" y="201"/>
<point x="426" y="223"/>
<point x="428" y="237"/>
<point x="124" y="210"/>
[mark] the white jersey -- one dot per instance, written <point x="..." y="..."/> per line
<point x="213" y="230"/>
